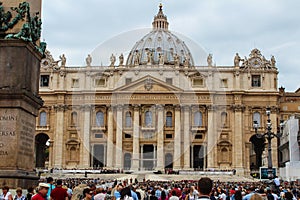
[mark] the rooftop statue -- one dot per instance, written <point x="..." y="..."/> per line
<point x="161" y="58"/>
<point x="121" y="59"/>
<point x="209" y="60"/>
<point x="273" y="61"/>
<point x="112" y="60"/>
<point x="237" y="60"/>
<point x="63" y="60"/>
<point x="88" y="60"/>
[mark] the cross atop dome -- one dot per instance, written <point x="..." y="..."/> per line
<point x="160" y="20"/>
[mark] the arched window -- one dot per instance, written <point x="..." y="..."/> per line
<point x="223" y="118"/>
<point x="43" y="118"/>
<point x="128" y="119"/>
<point x="148" y="118"/>
<point x="256" y="117"/>
<point x="198" y="118"/>
<point x="169" y="119"/>
<point x="73" y="118"/>
<point x="100" y="119"/>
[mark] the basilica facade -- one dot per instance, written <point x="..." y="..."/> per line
<point x="156" y="109"/>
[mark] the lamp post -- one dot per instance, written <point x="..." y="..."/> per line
<point x="269" y="135"/>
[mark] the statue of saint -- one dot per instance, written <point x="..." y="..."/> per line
<point x="273" y="61"/>
<point x="63" y="60"/>
<point x="149" y="56"/>
<point x="136" y="58"/>
<point x="209" y="59"/>
<point x="88" y="60"/>
<point x="161" y="59"/>
<point x="176" y="60"/>
<point x="187" y="60"/>
<point x="112" y="60"/>
<point x="237" y="60"/>
<point x="121" y="59"/>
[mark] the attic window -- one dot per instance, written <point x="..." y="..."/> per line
<point x="169" y="81"/>
<point x="198" y="82"/>
<point x="128" y="81"/>
<point x="100" y="82"/>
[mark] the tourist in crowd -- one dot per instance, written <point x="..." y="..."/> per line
<point x="59" y="193"/>
<point x="237" y="195"/>
<point x="42" y="192"/>
<point x="250" y="192"/>
<point x="50" y="182"/>
<point x="256" y="196"/>
<point x="117" y="191"/>
<point x="100" y="194"/>
<point x="87" y="194"/>
<point x="125" y="194"/>
<point x="19" y="195"/>
<point x="30" y="193"/>
<point x="174" y="195"/>
<point x="6" y="195"/>
<point x="205" y="186"/>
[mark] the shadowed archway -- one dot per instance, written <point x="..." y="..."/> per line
<point x="41" y="154"/>
<point x="259" y="146"/>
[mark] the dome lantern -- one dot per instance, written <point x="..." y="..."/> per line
<point x="160" y="20"/>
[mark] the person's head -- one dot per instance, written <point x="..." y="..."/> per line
<point x="49" y="180"/>
<point x="256" y="196"/>
<point x="205" y="186"/>
<point x="87" y="193"/>
<point x="43" y="189"/>
<point x="59" y="182"/>
<point x="125" y="192"/>
<point x="19" y="191"/>
<point x="30" y="190"/>
<point x="5" y="189"/>
<point x="238" y="195"/>
<point x="173" y="193"/>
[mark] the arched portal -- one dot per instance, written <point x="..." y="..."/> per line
<point x="41" y="150"/>
<point x="258" y="146"/>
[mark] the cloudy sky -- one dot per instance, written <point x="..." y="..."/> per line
<point x="77" y="28"/>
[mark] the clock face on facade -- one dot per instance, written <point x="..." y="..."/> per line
<point x="256" y="62"/>
<point x="45" y="63"/>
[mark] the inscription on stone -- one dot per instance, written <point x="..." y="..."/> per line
<point x="26" y="138"/>
<point x="7" y="131"/>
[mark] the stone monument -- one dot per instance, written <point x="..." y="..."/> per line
<point x="20" y="56"/>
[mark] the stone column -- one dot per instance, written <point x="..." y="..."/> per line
<point x="177" y="139"/>
<point x="238" y="140"/>
<point x="160" y="138"/>
<point x="192" y="156"/>
<point x="210" y="138"/>
<point x="186" y="141"/>
<point x="119" y="138"/>
<point x="273" y="117"/>
<point x="154" y="156"/>
<point x="85" y="155"/>
<point x="142" y="157"/>
<point x="58" y="138"/>
<point x="136" y="138"/>
<point x="110" y="139"/>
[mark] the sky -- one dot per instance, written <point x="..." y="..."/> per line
<point x="77" y="28"/>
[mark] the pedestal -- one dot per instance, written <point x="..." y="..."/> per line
<point x="19" y="104"/>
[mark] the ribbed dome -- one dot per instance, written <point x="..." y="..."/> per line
<point x="160" y="42"/>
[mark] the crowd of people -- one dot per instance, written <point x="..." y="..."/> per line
<point x="132" y="189"/>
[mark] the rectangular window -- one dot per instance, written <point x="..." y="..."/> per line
<point x="75" y="83"/>
<point x="256" y="82"/>
<point x="169" y="136"/>
<point x="128" y="81"/>
<point x="100" y="82"/>
<point x="169" y="81"/>
<point x="198" y="136"/>
<point x="224" y="83"/>
<point x="127" y="135"/>
<point x="44" y="81"/>
<point x="198" y="82"/>
<point x="98" y="135"/>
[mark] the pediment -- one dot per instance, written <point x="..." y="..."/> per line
<point x="148" y="84"/>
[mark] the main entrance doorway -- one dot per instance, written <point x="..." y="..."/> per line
<point x="148" y="157"/>
<point x="198" y="157"/>
<point x="98" y="157"/>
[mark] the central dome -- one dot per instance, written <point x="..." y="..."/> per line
<point x="160" y="46"/>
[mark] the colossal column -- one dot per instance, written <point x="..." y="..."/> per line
<point x="186" y="141"/>
<point x="160" y="137"/>
<point x="119" y="138"/>
<point x="110" y="138"/>
<point x="238" y="140"/>
<point x="58" y="138"/>
<point x="85" y="155"/>
<point x="177" y="139"/>
<point x="136" y="138"/>
<point x="210" y="138"/>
